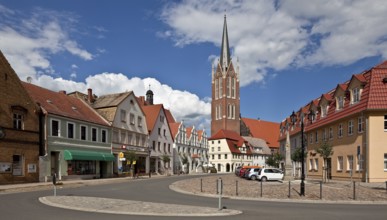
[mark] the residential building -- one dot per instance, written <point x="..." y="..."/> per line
<point x="353" y="119"/>
<point x="129" y="130"/>
<point x="160" y="139"/>
<point x="76" y="138"/>
<point x="19" y="129"/>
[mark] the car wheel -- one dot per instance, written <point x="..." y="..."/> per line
<point x="264" y="179"/>
<point x="253" y="177"/>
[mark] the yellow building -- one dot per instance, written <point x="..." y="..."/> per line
<point x="353" y="119"/>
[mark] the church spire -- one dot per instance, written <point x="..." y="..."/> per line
<point x="225" y="57"/>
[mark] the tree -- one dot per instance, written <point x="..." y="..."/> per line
<point x="274" y="160"/>
<point x="297" y="155"/>
<point x="166" y="159"/>
<point x="325" y="150"/>
<point x="130" y="158"/>
<point x="184" y="160"/>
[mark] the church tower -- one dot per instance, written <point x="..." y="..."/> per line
<point x="225" y="105"/>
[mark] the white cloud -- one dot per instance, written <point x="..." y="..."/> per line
<point x="280" y="34"/>
<point x="30" y="41"/>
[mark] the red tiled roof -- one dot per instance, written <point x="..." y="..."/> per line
<point x="233" y="139"/>
<point x="151" y="112"/>
<point x="188" y="132"/>
<point x="169" y="116"/>
<point x="268" y="131"/>
<point x="60" y="104"/>
<point x="200" y="133"/>
<point x="174" y="128"/>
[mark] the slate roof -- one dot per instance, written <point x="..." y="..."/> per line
<point x="58" y="103"/>
<point x="111" y="100"/>
<point x="266" y="130"/>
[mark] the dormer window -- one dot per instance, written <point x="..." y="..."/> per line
<point x="340" y="103"/>
<point x="355" y="95"/>
<point x="324" y="110"/>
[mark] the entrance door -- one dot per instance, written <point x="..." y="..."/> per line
<point x="329" y="168"/>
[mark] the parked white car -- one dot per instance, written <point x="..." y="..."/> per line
<point x="265" y="174"/>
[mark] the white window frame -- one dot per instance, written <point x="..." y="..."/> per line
<point x="68" y="126"/>
<point x="385" y="162"/>
<point x="310" y="164"/>
<point x="340" y="103"/>
<point x="102" y="136"/>
<point x="355" y="95"/>
<point x="80" y="132"/>
<point x="96" y="134"/>
<point x="18" y="120"/>
<point x="359" y="164"/>
<point x="51" y="133"/>
<point x="350" y="127"/>
<point x="340" y="163"/>
<point x="132" y="119"/>
<point x="360" y="124"/>
<point x="349" y="162"/>
<point x="385" y="122"/>
<point x="123" y="115"/>
<point x="316" y="164"/>
<point x="340" y="130"/>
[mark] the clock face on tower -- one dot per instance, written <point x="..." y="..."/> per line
<point x="2" y="133"/>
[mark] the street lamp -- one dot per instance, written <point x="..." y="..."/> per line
<point x="293" y="119"/>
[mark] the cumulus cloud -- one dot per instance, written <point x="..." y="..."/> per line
<point x="281" y="34"/>
<point x="30" y="40"/>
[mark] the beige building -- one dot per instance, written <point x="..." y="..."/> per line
<point x="353" y="119"/>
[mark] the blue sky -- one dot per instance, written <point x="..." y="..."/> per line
<point x="289" y="52"/>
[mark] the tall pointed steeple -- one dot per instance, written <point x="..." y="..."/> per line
<point x="225" y="56"/>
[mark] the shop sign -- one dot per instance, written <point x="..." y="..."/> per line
<point x="121" y="155"/>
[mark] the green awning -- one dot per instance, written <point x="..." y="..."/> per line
<point x="87" y="155"/>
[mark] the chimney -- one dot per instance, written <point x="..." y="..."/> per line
<point x="62" y="92"/>
<point x="90" y="97"/>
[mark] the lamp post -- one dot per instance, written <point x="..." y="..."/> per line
<point x="293" y="119"/>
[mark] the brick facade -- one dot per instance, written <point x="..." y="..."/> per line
<point x="19" y="148"/>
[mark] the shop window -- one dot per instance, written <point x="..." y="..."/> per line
<point x="81" y="167"/>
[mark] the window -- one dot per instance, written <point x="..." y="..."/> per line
<point x="220" y="88"/>
<point x="218" y="148"/>
<point x="330" y="133"/>
<point x="349" y="162"/>
<point x="70" y="130"/>
<point x="360" y="125"/>
<point x="154" y="145"/>
<point x="385" y="123"/>
<point x="213" y="149"/>
<point x="355" y="95"/>
<point x="132" y="119"/>
<point x="228" y="86"/>
<point x="159" y="131"/>
<point x="83" y="132"/>
<point x="324" y="110"/>
<point x="385" y="162"/>
<point x="123" y="136"/>
<point x="123" y="115"/>
<point x="316" y="163"/>
<point x="350" y="127"/>
<point x="139" y="121"/>
<point x="340" y="103"/>
<point x="17" y="121"/>
<point x="165" y="147"/>
<point x="359" y="165"/>
<point x="216" y="88"/>
<point x="310" y="164"/>
<point x="213" y="157"/>
<point x="339" y="163"/>
<point x="340" y="130"/>
<point x="158" y="146"/>
<point x="316" y="137"/>
<point x="324" y="135"/>
<point x="55" y="128"/>
<point x="17" y="165"/>
<point x="225" y="156"/>
<point x="219" y="156"/>
<point x="233" y="85"/>
<point x="103" y="136"/>
<point x="311" y="138"/>
<point x="130" y="137"/>
<point x="93" y="134"/>
<point x="161" y="118"/>
<point x="165" y="132"/>
<point x="169" y="148"/>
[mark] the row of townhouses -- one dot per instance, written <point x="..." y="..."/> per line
<point x="352" y="118"/>
<point x="82" y="136"/>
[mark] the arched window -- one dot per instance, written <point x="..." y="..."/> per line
<point x="220" y="88"/>
<point x="228" y="86"/>
<point x="216" y="89"/>
<point x="233" y="92"/>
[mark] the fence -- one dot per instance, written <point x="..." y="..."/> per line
<point x="314" y="190"/>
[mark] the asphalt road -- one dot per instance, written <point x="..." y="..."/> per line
<point x="25" y="205"/>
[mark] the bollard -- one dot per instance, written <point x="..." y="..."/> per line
<point x="201" y="185"/>
<point x="236" y="187"/>
<point x="289" y="190"/>
<point x="261" y="188"/>
<point x="320" y="189"/>
<point x="220" y="187"/>
<point x="354" y="190"/>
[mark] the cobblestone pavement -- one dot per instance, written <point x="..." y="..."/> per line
<point x="236" y="187"/>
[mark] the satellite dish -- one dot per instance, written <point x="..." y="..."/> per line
<point x="29" y="79"/>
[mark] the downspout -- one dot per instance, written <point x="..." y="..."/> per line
<point x="366" y="150"/>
